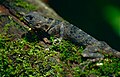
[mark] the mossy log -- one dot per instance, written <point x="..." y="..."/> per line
<point x="11" y="11"/>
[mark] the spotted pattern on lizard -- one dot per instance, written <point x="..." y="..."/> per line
<point x="63" y="29"/>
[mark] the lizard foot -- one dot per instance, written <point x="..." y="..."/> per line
<point x="57" y="41"/>
<point x="92" y="52"/>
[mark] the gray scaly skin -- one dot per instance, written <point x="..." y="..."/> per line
<point x="63" y="29"/>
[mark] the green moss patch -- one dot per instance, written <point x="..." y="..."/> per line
<point x="24" y="58"/>
<point x="25" y="5"/>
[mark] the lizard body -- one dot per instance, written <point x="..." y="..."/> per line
<point x="64" y="29"/>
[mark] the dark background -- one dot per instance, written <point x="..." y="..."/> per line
<point x="88" y="15"/>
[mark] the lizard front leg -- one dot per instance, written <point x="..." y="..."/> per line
<point x="57" y="29"/>
<point x="58" y="40"/>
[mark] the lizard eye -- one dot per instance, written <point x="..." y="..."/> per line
<point x="29" y="17"/>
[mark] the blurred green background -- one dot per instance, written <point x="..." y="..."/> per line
<point x="99" y="18"/>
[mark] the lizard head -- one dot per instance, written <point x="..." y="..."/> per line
<point x="36" y="20"/>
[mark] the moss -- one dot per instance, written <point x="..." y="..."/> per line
<point x="8" y="25"/>
<point x="19" y="6"/>
<point x="22" y="3"/>
<point x="24" y="58"/>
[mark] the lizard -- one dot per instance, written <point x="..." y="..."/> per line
<point x="65" y="30"/>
